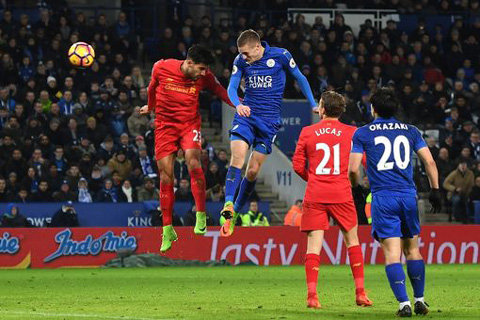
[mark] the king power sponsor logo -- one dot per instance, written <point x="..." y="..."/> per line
<point x="107" y="242"/>
<point x="9" y="244"/>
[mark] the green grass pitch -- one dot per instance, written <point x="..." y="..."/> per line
<point x="453" y="292"/>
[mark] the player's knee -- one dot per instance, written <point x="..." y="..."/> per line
<point x="252" y="173"/>
<point x="412" y="253"/>
<point x="237" y="160"/>
<point x="165" y="178"/>
<point x="193" y="164"/>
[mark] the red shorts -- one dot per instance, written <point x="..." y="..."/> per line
<point x="316" y="215"/>
<point x="169" y="137"/>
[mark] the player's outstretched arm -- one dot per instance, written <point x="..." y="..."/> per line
<point x="214" y="86"/>
<point x="305" y="87"/>
<point x="354" y="168"/>
<point x="435" y="197"/>
<point x="299" y="159"/>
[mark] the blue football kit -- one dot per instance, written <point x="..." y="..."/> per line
<point x="388" y="145"/>
<point x="264" y="87"/>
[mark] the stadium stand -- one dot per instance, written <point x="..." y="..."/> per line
<point x="74" y="132"/>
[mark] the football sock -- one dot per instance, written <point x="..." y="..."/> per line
<point x="356" y="264"/>
<point x="234" y="177"/>
<point x="312" y="264"/>
<point x="198" y="188"/>
<point x="396" y="277"/>
<point x="416" y="273"/>
<point x="167" y="198"/>
<point x="246" y="189"/>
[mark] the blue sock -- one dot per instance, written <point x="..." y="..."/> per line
<point x="234" y="177"/>
<point x="396" y="277"/>
<point x="416" y="273"/>
<point x="246" y="189"/>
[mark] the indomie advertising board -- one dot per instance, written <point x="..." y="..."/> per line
<point x="93" y="247"/>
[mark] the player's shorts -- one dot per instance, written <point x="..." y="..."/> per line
<point x="316" y="216"/>
<point x="169" y="137"/>
<point x="258" y="132"/>
<point x="394" y="217"/>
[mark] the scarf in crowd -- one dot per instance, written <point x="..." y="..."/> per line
<point x="84" y="196"/>
<point x="129" y="193"/>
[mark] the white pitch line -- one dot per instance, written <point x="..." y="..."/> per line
<point x="78" y="315"/>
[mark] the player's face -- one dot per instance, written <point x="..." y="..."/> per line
<point x="196" y="70"/>
<point x="251" y="53"/>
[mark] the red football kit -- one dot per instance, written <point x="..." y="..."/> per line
<point x="326" y="147"/>
<point x="174" y="97"/>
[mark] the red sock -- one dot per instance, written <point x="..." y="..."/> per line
<point x="356" y="264"/>
<point x="198" y="188"/>
<point x="167" y="198"/>
<point x="312" y="264"/>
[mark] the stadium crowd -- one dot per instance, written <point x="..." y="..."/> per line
<point x="72" y="134"/>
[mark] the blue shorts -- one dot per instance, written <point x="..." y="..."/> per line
<point x="258" y="132"/>
<point x="394" y="217"/>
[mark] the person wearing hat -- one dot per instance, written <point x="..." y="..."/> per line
<point x="121" y="164"/>
<point x="84" y="195"/>
<point x="64" y="194"/>
<point x="13" y="219"/>
<point x="65" y="217"/>
<point x="145" y="162"/>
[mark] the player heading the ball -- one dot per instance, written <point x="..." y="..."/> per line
<point x="173" y="96"/>
<point x="257" y="120"/>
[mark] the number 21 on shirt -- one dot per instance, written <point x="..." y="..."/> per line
<point x="321" y="170"/>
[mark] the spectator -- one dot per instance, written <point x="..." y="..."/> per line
<point x="216" y="194"/>
<point x="213" y="176"/>
<point x="180" y="166"/>
<point x="137" y="124"/>
<point x="121" y="164"/>
<point x="294" y="214"/>
<point x="108" y="193"/>
<point x="222" y="161"/>
<point x="84" y="196"/>
<point x="127" y="193"/>
<point x="5" y="194"/>
<point x="254" y="218"/>
<point x="147" y="191"/>
<point x="183" y="192"/>
<point x="64" y="194"/>
<point x="43" y="193"/>
<point x="459" y="184"/>
<point x="13" y="219"/>
<point x="22" y="196"/>
<point x="65" y="217"/>
<point x="147" y="164"/>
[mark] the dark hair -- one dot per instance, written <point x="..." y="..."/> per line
<point x="199" y="54"/>
<point x="333" y="103"/>
<point x="384" y="103"/>
<point x="248" y="36"/>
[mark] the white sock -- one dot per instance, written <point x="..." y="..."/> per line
<point x="420" y="299"/>
<point x="403" y="304"/>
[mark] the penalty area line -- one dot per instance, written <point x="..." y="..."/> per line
<point x="9" y="314"/>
